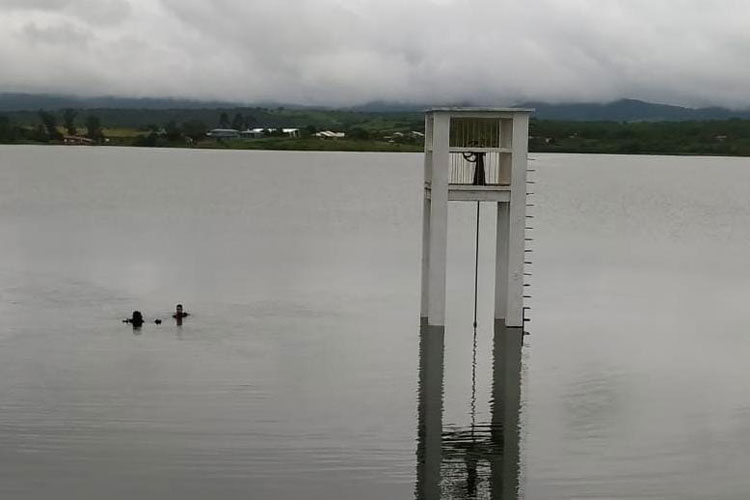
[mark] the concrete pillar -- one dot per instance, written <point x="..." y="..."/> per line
<point x="501" y="261"/>
<point x="517" y="222"/>
<point x="438" y="236"/>
<point x="426" y="215"/>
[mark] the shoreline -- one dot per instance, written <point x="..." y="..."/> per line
<point x="354" y="146"/>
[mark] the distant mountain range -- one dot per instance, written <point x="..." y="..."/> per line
<point x="628" y="110"/>
<point x="32" y="102"/>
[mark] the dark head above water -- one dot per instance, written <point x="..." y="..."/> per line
<point x="179" y="313"/>
<point x="136" y="319"/>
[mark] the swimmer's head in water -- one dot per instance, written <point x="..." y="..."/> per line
<point x="137" y="318"/>
<point x="179" y="308"/>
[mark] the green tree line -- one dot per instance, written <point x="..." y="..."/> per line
<point x="711" y="137"/>
<point x="189" y="126"/>
<point x="46" y="128"/>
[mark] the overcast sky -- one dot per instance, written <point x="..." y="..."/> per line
<point x="342" y="52"/>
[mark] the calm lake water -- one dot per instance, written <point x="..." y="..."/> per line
<point x="302" y="372"/>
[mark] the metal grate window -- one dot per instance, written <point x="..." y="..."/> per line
<point x="475" y="133"/>
<point x="496" y="168"/>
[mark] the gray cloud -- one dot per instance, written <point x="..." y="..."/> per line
<point x="350" y="51"/>
<point x="59" y="34"/>
<point x="35" y="5"/>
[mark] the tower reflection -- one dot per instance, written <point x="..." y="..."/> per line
<point x="481" y="461"/>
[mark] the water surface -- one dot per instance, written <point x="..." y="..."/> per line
<point x="298" y="375"/>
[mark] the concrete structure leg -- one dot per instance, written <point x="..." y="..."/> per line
<point x="501" y="261"/>
<point x="425" y="259"/>
<point x="438" y="224"/>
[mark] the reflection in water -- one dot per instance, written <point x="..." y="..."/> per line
<point x="483" y="460"/>
<point x="430" y="410"/>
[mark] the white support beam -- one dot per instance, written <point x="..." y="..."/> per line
<point x="516" y="230"/>
<point x="478" y="193"/>
<point x="438" y="220"/>
<point x="501" y="260"/>
<point x="426" y="215"/>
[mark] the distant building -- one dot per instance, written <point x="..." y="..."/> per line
<point x="253" y="133"/>
<point x="77" y="140"/>
<point x="223" y="133"/>
<point x="256" y="133"/>
<point x="402" y="136"/>
<point x="327" y="134"/>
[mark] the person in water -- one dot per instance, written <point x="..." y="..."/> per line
<point x="136" y="319"/>
<point x="179" y="313"/>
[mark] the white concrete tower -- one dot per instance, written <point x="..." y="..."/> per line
<point x="475" y="154"/>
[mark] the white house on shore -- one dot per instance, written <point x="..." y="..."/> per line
<point x="257" y="133"/>
<point x="327" y="134"/>
<point x="253" y="133"/>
